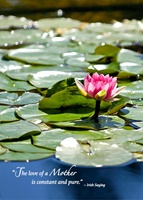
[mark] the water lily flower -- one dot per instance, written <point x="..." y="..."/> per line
<point x="99" y="87"/>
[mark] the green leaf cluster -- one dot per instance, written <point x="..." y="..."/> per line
<point x="41" y="108"/>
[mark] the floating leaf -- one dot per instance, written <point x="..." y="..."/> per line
<point x="13" y="86"/>
<point x="24" y="146"/>
<point x="89" y="124"/>
<point x="2" y="150"/>
<point x="35" y="56"/>
<point x="133" y="89"/>
<point x="131" y="68"/>
<point x="111" y="68"/>
<point x="120" y="136"/>
<point x="7" y="114"/>
<point x="46" y="79"/>
<point x="52" y="138"/>
<point x="24" y="99"/>
<point x="12" y="21"/>
<point x="117" y="105"/>
<point x="96" y="154"/>
<point x="32" y="111"/>
<point x="20" y="156"/>
<point x="18" y="129"/>
<point x="46" y="24"/>
<point x="134" y="113"/>
<point x="126" y="55"/>
<point x="107" y="50"/>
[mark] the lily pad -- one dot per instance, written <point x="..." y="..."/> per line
<point x="7" y="114"/>
<point x="7" y="98"/>
<point x="126" y="55"/>
<point x="36" y="56"/>
<point x="133" y="113"/>
<point x="120" y="136"/>
<point x="133" y="89"/>
<point x="20" y="156"/>
<point x="107" y="50"/>
<point x="46" y="79"/>
<point x="13" y="21"/>
<point x="16" y="38"/>
<point x="89" y="124"/>
<point x="32" y="111"/>
<point x="52" y="138"/>
<point x="2" y="150"/>
<point x="97" y="154"/>
<point x="55" y="23"/>
<point x="13" y="86"/>
<point x="24" y="146"/>
<point x="18" y="129"/>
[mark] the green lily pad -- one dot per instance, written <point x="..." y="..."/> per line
<point x="8" y="65"/>
<point x="20" y="156"/>
<point x="120" y="136"/>
<point x="46" y="79"/>
<point x="12" y="21"/>
<point x="52" y="138"/>
<point x="55" y="23"/>
<point x="78" y="62"/>
<point x="24" y="146"/>
<point x="117" y="105"/>
<point x="134" y="113"/>
<point x="7" y="98"/>
<point x="2" y="150"/>
<point x="107" y="50"/>
<point x="111" y="68"/>
<point x="133" y="89"/>
<point x="36" y="56"/>
<point x="126" y="55"/>
<point x="7" y="114"/>
<point x="18" y="129"/>
<point x="21" y="37"/>
<point x="96" y="154"/>
<point x="131" y="68"/>
<point x="32" y="111"/>
<point x="13" y="86"/>
<point x="89" y="124"/>
<point x="133" y="147"/>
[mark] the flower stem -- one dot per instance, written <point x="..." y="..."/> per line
<point x="97" y="109"/>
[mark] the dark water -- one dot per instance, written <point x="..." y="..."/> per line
<point x="101" y="13"/>
<point x="116" y="183"/>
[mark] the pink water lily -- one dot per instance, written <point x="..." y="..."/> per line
<point x="99" y="87"/>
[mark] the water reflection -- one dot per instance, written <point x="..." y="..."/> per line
<point x="54" y="180"/>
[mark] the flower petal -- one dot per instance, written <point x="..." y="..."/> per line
<point x="87" y="80"/>
<point x="100" y="95"/>
<point x="118" y="90"/>
<point x="80" y="87"/>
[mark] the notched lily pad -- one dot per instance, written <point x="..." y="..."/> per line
<point x="7" y="114"/>
<point x="10" y="85"/>
<point x="24" y="146"/>
<point x="15" y="130"/>
<point x="7" y="98"/>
